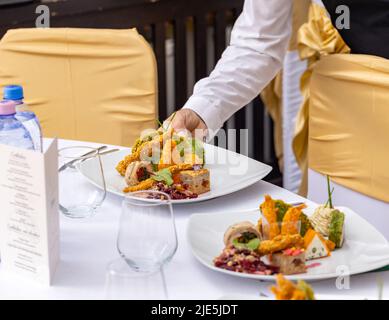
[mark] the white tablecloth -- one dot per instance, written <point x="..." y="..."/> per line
<point x="87" y="246"/>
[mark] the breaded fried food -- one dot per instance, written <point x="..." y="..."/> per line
<point x="145" y="149"/>
<point x="269" y="211"/>
<point x="149" y="183"/>
<point x="123" y="165"/>
<point x="290" y="223"/>
<point x="284" y="289"/>
<point x="180" y="167"/>
<point x="139" y="143"/>
<point x="279" y="243"/>
<point x="144" y="185"/>
<point x="287" y="290"/>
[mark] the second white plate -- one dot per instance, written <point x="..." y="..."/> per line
<point x="365" y="249"/>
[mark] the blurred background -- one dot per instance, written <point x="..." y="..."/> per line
<point x="187" y="36"/>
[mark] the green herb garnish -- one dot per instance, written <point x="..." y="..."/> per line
<point x="159" y="123"/>
<point x="252" y="245"/>
<point x="171" y="120"/>
<point x="329" y="201"/>
<point x="163" y="175"/>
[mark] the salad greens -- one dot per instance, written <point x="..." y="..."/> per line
<point x="163" y="175"/>
<point x="252" y="245"/>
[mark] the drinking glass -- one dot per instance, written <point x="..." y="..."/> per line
<point x="125" y="283"/>
<point x="78" y="197"/>
<point x="147" y="236"/>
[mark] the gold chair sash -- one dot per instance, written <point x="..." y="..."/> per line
<point x="316" y="38"/>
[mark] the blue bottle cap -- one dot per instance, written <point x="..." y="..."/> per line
<point x="13" y="93"/>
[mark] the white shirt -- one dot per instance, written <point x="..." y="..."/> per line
<point x="258" y="45"/>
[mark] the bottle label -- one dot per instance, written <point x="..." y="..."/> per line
<point x="35" y="132"/>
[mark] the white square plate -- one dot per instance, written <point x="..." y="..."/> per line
<point x="230" y="172"/>
<point x="365" y="249"/>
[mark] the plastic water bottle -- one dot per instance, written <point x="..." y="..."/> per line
<point x="12" y="131"/>
<point x="24" y="114"/>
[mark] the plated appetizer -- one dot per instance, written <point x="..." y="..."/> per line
<point x="284" y="239"/>
<point x="163" y="160"/>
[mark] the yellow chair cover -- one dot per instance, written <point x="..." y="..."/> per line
<point x="84" y="84"/>
<point x="349" y="122"/>
<point x="299" y="17"/>
<point x="316" y="38"/>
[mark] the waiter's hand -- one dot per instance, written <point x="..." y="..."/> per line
<point x="186" y="119"/>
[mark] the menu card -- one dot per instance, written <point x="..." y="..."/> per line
<point x="29" y="217"/>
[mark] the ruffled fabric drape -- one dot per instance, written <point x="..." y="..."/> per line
<point x="316" y="38"/>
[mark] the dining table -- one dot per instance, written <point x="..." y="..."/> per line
<point x="87" y="246"/>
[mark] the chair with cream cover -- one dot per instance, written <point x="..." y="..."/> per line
<point x="343" y="125"/>
<point x="349" y="134"/>
<point x="84" y="84"/>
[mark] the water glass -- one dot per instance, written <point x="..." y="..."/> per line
<point x="78" y="197"/>
<point x="147" y="236"/>
<point x="125" y="283"/>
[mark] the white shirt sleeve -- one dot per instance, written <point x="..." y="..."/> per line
<point x="258" y="45"/>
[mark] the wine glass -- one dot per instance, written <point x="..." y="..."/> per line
<point x="78" y="197"/>
<point x="147" y="236"/>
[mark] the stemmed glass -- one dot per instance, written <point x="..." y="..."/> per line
<point x="147" y="239"/>
<point x="78" y="197"/>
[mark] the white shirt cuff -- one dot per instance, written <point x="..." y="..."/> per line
<point x="208" y="113"/>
